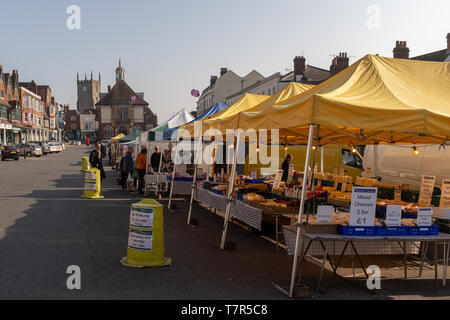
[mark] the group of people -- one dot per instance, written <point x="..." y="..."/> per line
<point x="127" y="166"/>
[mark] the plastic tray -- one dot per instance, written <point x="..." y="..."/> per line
<point x="357" y="231"/>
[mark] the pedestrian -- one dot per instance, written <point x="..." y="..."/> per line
<point x="103" y="150"/>
<point x="110" y="154"/>
<point x="126" y="167"/>
<point x="285" y="167"/>
<point x="96" y="161"/>
<point x="140" y="167"/>
<point x="88" y="141"/>
<point x="156" y="159"/>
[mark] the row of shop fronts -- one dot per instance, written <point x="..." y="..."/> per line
<point x="10" y="134"/>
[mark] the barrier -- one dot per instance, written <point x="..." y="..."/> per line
<point x="92" y="185"/>
<point x="85" y="164"/>
<point x="146" y="236"/>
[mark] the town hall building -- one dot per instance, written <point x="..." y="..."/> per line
<point x="121" y="109"/>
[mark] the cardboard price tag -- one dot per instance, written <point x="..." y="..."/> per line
<point x="278" y="177"/>
<point x="426" y="190"/>
<point x="291" y="173"/>
<point x="398" y="194"/>
<point x="394" y="216"/>
<point x="445" y="196"/>
<point x="363" y="207"/>
<point x="425" y="217"/>
<point x="324" y="214"/>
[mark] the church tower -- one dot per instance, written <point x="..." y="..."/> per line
<point x="88" y="92"/>
<point x="120" y="72"/>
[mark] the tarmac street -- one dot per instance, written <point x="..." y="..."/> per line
<point x="45" y="227"/>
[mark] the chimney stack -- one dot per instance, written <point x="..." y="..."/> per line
<point x="299" y="66"/>
<point x="339" y="63"/>
<point x="213" y="81"/>
<point x="448" y="41"/>
<point x="223" y="71"/>
<point x="401" y="50"/>
<point x="109" y="89"/>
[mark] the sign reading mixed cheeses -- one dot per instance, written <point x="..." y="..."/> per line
<point x="363" y="207"/>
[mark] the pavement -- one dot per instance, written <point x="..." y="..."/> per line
<point x="45" y="227"/>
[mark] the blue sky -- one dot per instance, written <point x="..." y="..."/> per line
<point x="170" y="47"/>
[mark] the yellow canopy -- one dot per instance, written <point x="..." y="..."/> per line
<point x="246" y="102"/>
<point x="120" y="136"/>
<point x="376" y="100"/>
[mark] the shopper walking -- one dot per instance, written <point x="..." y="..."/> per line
<point x="140" y="167"/>
<point x="126" y="167"/>
<point x="96" y="161"/>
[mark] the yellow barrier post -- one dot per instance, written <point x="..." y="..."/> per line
<point x="146" y="236"/>
<point x="93" y="185"/>
<point x="84" y="164"/>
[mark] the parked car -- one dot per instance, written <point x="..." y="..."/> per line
<point x="10" y="152"/>
<point x="44" y="147"/>
<point x="36" y="150"/>
<point x="54" y="147"/>
<point x="25" y="150"/>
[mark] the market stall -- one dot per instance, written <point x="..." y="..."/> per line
<point x="409" y="106"/>
<point x="375" y="101"/>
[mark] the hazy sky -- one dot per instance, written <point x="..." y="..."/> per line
<point x="169" y="47"/>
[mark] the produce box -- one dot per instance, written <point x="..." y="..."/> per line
<point x="320" y="228"/>
<point x="356" y="231"/>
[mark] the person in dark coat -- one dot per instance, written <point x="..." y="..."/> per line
<point x="155" y="159"/>
<point x="285" y="167"/>
<point x="127" y="167"/>
<point x="96" y="161"/>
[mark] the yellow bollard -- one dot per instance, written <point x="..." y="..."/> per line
<point x="93" y="185"/>
<point x="84" y="164"/>
<point x="146" y="236"/>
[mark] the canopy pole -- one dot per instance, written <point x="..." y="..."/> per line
<point x="322" y="150"/>
<point x="159" y="173"/>
<point x="301" y="210"/>
<point x="173" y="177"/>
<point x="146" y="169"/>
<point x="230" y="193"/>
<point x="194" y="186"/>
<point x="194" y="183"/>
<point x="285" y="147"/>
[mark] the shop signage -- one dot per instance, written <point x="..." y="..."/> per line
<point x="324" y="214"/>
<point x="363" y="207"/>
<point x="140" y="240"/>
<point x="445" y="196"/>
<point x="141" y="217"/>
<point x="394" y="216"/>
<point x="426" y="190"/>
<point x="278" y="177"/>
<point x="5" y="126"/>
<point x="424" y="217"/>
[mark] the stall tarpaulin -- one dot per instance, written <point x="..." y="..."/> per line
<point x="246" y="102"/>
<point x="218" y="107"/>
<point x="131" y="137"/>
<point x="177" y="120"/>
<point x="117" y="138"/>
<point x="376" y="100"/>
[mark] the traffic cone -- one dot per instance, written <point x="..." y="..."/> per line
<point x="146" y="236"/>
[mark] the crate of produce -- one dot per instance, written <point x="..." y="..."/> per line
<point x="397" y="231"/>
<point x="380" y="231"/>
<point x="356" y="231"/>
<point x="320" y="228"/>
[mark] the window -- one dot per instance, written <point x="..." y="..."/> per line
<point x="3" y="112"/>
<point x="73" y="118"/>
<point x="3" y="94"/>
<point x="108" y="132"/>
<point x="351" y="159"/>
<point x="123" y="115"/>
<point x="26" y="101"/>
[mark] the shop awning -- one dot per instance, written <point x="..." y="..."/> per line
<point x="376" y="100"/>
